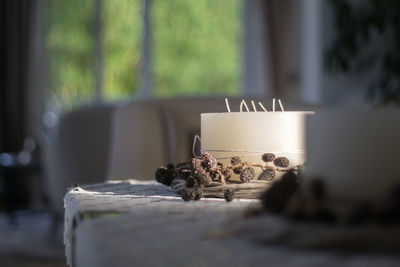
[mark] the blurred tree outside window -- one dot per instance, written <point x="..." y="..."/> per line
<point x="196" y="49"/>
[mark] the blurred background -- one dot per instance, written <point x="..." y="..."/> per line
<point x="69" y="69"/>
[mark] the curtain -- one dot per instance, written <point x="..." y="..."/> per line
<point x="272" y="48"/>
<point x="21" y="71"/>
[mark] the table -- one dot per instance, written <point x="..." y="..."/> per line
<point x="132" y="223"/>
<point x="141" y="198"/>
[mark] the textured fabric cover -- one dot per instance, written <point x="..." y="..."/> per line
<point x="122" y="196"/>
<point x="159" y="229"/>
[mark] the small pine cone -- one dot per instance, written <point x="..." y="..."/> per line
<point x="229" y="195"/>
<point x="191" y="181"/>
<point x="247" y="174"/>
<point x="236" y="160"/>
<point x="268" y="157"/>
<point x="171" y="170"/>
<point x="220" y="166"/>
<point x="196" y="165"/>
<point x="198" y="193"/>
<point x="267" y="175"/>
<point x="184" y="173"/>
<point x="202" y="179"/>
<point x="282" y="162"/>
<point x="165" y="174"/>
<point x="209" y="162"/>
<point x="213" y="175"/>
<point x="237" y="170"/>
<point x="227" y="173"/>
<point x="188" y="194"/>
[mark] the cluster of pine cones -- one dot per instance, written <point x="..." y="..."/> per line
<point x="189" y="178"/>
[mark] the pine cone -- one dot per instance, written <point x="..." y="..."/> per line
<point x="188" y="194"/>
<point x="247" y="175"/>
<point x="202" y="179"/>
<point x="184" y="173"/>
<point x="237" y="170"/>
<point x="236" y="160"/>
<point x="229" y="195"/>
<point x="191" y="181"/>
<point x="282" y="162"/>
<point x="209" y="162"/>
<point x="268" y="157"/>
<point x="165" y="174"/>
<point x="227" y="173"/>
<point x="267" y="175"/>
<point x="198" y="193"/>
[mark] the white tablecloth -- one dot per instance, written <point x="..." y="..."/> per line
<point x="159" y="229"/>
<point x="131" y="196"/>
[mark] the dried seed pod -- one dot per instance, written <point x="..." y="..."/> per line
<point x="209" y="162"/>
<point x="165" y="174"/>
<point x="213" y="175"/>
<point x="267" y="175"/>
<point x="229" y="195"/>
<point x="191" y="181"/>
<point x="247" y="174"/>
<point x="237" y="170"/>
<point x="268" y="157"/>
<point x="202" y="179"/>
<point x="282" y="162"/>
<point x="184" y="173"/>
<point x="188" y="194"/>
<point x="227" y="173"/>
<point x="198" y="193"/>
<point x="196" y="165"/>
<point x="220" y="166"/>
<point x="236" y="160"/>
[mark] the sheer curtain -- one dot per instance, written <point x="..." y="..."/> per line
<point x="272" y="48"/>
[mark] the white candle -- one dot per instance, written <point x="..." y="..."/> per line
<point x="354" y="152"/>
<point x="250" y="134"/>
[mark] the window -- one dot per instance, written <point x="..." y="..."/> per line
<point x="96" y="49"/>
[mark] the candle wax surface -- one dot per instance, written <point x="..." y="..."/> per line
<point x="250" y="134"/>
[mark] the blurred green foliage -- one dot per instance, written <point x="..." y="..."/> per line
<point x="122" y="48"/>
<point x="196" y="49"/>
<point x="70" y="43"/>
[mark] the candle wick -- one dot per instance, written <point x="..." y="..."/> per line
<point x="254" y="106"/>
<point x="196" y="137"/>
<point x="280" y="104"/>
<point x="262" y="106"/>
<point x="227" y="105"/>
<point x="273" y="104"/>
<point x="245" y="105"/>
